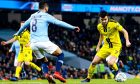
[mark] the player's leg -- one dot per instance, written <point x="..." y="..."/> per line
<point x="44" y="64"/>
<point x="59" y="62"/>
<point x="23" y="72"/>
<point x="39" y="53"/>
<point x="18" y="68"/>
<point x="15" y="64"/>
<point x="33" y="65"/>
<point x="91" y="68"/>
<point x="17" y="73"/>
<point x="41" y="58"/>
<point x="112" y="63"/>
<point x="107" y="69"/>
<point x="28" y="59"/>
<point x="15" y="61"/>
<point x="101" y="54"/>
<point x="53" y="49"/>
<point x="113" y="58"/>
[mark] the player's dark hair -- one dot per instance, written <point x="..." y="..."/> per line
<point x="42" y="4"/>
<point x="103" y="13"/>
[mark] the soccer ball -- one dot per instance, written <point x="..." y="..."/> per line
<point x="120" y="77"/>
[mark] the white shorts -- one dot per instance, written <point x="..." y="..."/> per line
<point x="15" y="62"/>
<point x="40" y="48"/>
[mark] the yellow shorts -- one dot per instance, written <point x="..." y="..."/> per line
<point x="106" y="51"/>
<point x="25" y="55"/>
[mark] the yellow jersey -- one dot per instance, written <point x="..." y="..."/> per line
<point x="24" y="38"/>
<point x="110" y="33"/>
<point x="25" y="52"/>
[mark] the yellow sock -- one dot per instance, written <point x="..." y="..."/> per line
<point x="18" y="70"/>
<point x="115" y="67"/>
<point x="90" y="71"/>
<point x="105" y="76"/>
<point x="111" y="75"/>
<point x="34" y="66"/>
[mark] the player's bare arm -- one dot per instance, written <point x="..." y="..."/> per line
<point x="126" y="36"/>
<point x="8" y="42"/>
<point x="99" y="42"/>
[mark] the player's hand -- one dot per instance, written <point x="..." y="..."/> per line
<point x="3" y="43"/>
<point x="77" y="29"/>
<point x="128" y="44"/>
<point x="97" y="49"/>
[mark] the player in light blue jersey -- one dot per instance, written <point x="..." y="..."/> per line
<point x="15" y="48"/>
<point x="39" y="39"/>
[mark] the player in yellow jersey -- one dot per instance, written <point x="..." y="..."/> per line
<point x="109" y="34"/>
<point x="25" y="54"/>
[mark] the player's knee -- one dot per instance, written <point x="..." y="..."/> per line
<point x="57" y="52"/>
<point x="110" y="63"/>
<point x="27" y="63"/>
<point x="19" y="63"/>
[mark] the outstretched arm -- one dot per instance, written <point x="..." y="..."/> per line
<point x="99" y="42"/>
<point x="126" y="36"/>
<point x="8" y="42"/>
<point x="63" y="24"/>
<point x="125" y="33"/>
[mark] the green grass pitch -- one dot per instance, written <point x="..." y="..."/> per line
<point x="73" y="81"/>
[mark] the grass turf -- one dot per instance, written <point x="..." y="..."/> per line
<point x="73" y="81"/>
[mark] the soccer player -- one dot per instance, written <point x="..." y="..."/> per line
<point x="16" y="48"/>
<point x="109" y="33"/>
<point x="39" y="39"/>
<point x="25" y="55"/>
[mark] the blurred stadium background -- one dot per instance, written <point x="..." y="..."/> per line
<point x="79" y="48"/>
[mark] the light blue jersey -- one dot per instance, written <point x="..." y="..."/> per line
<point x="39" y="23"/>
<point x="16" y="48"/>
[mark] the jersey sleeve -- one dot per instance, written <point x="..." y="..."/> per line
<point x="119" y="27"/>
<point x="16" y="37"/>
<point x="55" y="21"/>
